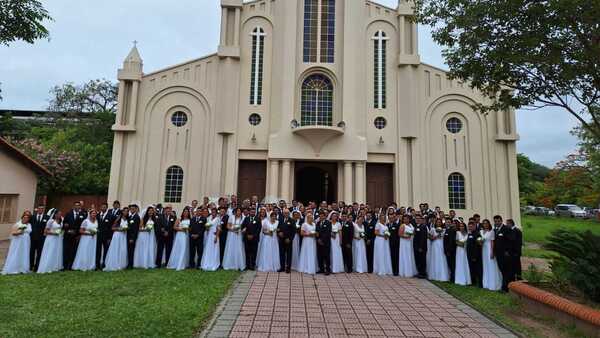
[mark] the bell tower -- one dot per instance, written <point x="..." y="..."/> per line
<point x="409" y="38"/>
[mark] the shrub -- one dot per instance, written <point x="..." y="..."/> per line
<point x="577" y="261"/>
<point x="533" y="275"/>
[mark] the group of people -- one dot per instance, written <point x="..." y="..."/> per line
<point x="270" y="237"/>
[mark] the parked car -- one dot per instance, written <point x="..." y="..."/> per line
<point x="529" y="210"/>
<point x="570" y="210"/>
<point x="590" y="212"/>
<point x="542" y="211"/>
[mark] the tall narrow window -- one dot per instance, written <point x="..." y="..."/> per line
<point x="456" y="191"/>
<point x="380" y="57"/>
<point x="256" y="74"/>
<point x="319" y="30"/>
<point x="174" y="184"/>
<point x="317" y="101"/>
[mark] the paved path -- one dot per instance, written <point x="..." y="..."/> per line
<point x="297" y="305"/>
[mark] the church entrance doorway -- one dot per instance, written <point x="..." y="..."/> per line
<point x="315" y="181"/>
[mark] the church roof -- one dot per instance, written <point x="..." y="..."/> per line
<point x="134" y="55"/>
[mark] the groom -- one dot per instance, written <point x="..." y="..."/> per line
<point x="324" y="243"/>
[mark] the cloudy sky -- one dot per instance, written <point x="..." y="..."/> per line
<point x="89" y="40"/>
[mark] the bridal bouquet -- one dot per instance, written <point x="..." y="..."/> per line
<point x="207" y="225"/>
<point x="149" y="226"/>
<point x="387" y="233"/>
<point x="184" y="227"/>
<point x="57" y="231"/>
<point x="408" y="232"/>
<point x="92" y="231"/>
<point x="480" y="240"/>
<point x="439" y="230"/>
<point x="362" y="234"/>
<point x="22" y="227"/>
<point x="123" y="227"/>
<point x="460" y="243"/>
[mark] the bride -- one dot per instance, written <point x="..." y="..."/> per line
<point x="85" y="259"/>
<point x="268" y="253"/>
<point x="20" y="243"/>
<point x="211" y="254"/>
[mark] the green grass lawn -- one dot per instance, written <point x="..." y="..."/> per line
<point x="537" y="228"/>
<point x="158" y="303"/>
<point x="507" y="310"/>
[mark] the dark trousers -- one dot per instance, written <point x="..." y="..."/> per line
<point x="285" y="254"/>
<point x="347" y="253"/>
<point x="35" y="253"/>
<point x="421" y="261"/>
<point x="324" y="257"/>
<point x="163" y="244"/>
<point x="505" y="266"/>
<point x="516" y="267"/>
<point x="370" y="251"/>
<point x="451" y="260"/>
<point x="476" y="270"/>
<point x="395" y="255"/>
<point x="130" y="251"/>
<point x="102" y="243"/>
<point x="69" y="250"/>
<point x="222" y="242"/>
<point x="251" y="248"/>
<point x="196" y="248"/>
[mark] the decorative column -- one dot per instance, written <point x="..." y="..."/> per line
<point x="360" y="182"/>
<point x="274" y="179"/>
<point x="348" y="182"/>
<point x="285" y="180"/>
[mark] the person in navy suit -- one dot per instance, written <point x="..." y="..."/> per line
<point x="71" y="225"/>
<point x="106" y="218"/>
<point x="38" y="225"/>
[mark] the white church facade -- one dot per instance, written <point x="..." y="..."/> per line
<point x="312" y="100"/>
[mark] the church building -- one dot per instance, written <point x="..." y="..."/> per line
<point x="312" y="100"/>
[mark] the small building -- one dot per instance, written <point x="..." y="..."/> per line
<point x="18" y="184"/>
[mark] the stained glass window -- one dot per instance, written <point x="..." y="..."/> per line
<point x="317" y="101"/>
<point x="456" y="191"/>
<point x="174" y="184"/>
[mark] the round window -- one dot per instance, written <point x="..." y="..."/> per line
<point x="254" y="119"/>
<point x="454" y="125"/>
<point x="380" y="122"/>
<point x="179" y="119"/>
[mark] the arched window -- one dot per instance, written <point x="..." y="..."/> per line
<point x="317" y="101"/>
<point x="256" y="73"/>
<point x="380" y="57"/>
<point x="456" y="191"/>
<point x="319" y="30"/>
<point x="174" y="184"/>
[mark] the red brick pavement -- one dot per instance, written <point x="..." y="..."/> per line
<point x="341" y="305"/>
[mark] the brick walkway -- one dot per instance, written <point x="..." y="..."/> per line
<point x="296" y="305"/>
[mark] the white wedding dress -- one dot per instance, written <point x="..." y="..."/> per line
<point x="85" y="259"/>
<point x="268" y="252"/>
<point x="296" y="248"/>
<point x="116" y="258"/>
<point x="408" y="266"/>
<point x="211" y="259"/>
<point x="52" y="253"/>
<point x="437" y="268"/>
<point x="462" y="273"/>
<point x="359" y="250"/>
<point x="17" y="260"/>
<point x="144" y="255"/>
<point x="234" y="257"/>
<point x="180" y="254"/>
<point x="308" y="253"/>
<point x="492" y="278"/>
<point x="382" y="261"/>
<point x="337" y="258"/>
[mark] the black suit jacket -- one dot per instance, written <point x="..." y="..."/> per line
<point x="517" y="242"/>
<point x="287" y="228"/>
<point x="72" y="223"/>
<point x="347" y="233"/>
<point x="323" y="229"/>
<point x="503" y="242"/>
<point x="420" y="238"/>
<point x="133" y="228"/>
<point x="105" y="223"/>
<point x="253" y="227"/>
<point x="450" y="242"/>
<point x="474" y="248"/>
<point x="165" y="224"/>
<point x="393" y="229"/>
<point x="37" y="227"/>
<point x="198" y="226"/>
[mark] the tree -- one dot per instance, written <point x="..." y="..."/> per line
<point x="91" y="97"/>
<point x="531" y="179"/>
<point x="523" y="53"/>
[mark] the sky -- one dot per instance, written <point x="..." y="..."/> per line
<point x="90" y="39"/>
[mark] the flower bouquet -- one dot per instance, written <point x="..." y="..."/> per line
<point x="92" y="232"/>
<point x="480" y="240"/>
<point x="408" y="232"/>
<point x="460" y="243"/>
<point x="149" y="226"/>
<point x="207" y="225"/>
<point x="387" y="233"/>
<point x="439" y="230"/>
<point x="22" y="228"/>
<point x="184" y="227"/>
<point x="124" y="227"/>
<point x="56" y="232"/>
<point x="362" y="234"/>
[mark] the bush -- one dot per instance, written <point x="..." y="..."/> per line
<point x="533" y="275"/>
<point x="577" y="262"/>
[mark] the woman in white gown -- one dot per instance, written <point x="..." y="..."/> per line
<point x="297" y="216"/>
<point x="180" y="254"/>
<point x="85" y="259"/>
<point x="437" y="268"/>
<point x="406" y="232"/>
<point x="359" y="249"/>
<point x="144" y="256"/>
<point x="308" y="253"/>
<point x="492" y="278"/>
<point x="116" y="257"/>
<point x="211" y="255"/>
<point x="17" y="260"/>
<point x="268" y="255"/>
<point x="52" y="252"/>
<point x="337" y="258"/>
<point x="462" y="274"/>
<point x="382" y="261"/>
<point x="235" y="256"/>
